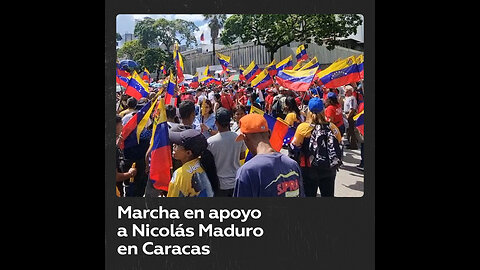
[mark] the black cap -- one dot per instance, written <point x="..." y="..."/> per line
<point x="190" y="139"/>
<point x="223" y="116"/>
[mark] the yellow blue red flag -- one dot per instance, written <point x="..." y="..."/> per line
<point x="340" y="72"/>
<point x="301" y="53"/>
<point x="296" y="80"/>
<point x="285" y="64"/>
<point x="136" y="87"/>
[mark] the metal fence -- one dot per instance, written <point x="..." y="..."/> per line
<point x="243" y="54"/>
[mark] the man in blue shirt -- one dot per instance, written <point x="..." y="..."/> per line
<point x="269" y="173"/>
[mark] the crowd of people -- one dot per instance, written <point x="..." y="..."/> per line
<point x="212" y="129"/>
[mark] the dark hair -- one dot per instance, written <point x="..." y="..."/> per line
<point x="118" y="119"/>
<point x="209" y="104"/>
<point x="217" y="96"/>
<point x="171" y="111"/>
<point x="253" y="97"/>
<point x="186" y="109"/>
<point x="292" y="105"/>
<point x="131" y="102"/>
<point x="333" y="100"/>
<point x="239" y="107"/>
<point x="207" y="161"/>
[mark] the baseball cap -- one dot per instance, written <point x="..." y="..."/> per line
<point x="190" y="139"/>
<point x="223" y="116"/>
<point x="331" y="95"/>
<point x="315" y="105"/>
<point x="251" y="123"/>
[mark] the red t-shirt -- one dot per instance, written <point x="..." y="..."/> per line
<point x="269" y="99"/>
<point x="227" y="102"/>
<point x="334" y="114"/>
<point x="243" y="100"/>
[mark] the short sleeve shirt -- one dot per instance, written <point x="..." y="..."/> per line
<point x="291" y="118"/>
<point x="269" y="175"/>
<point x="334" y="114"/>
<point x="304" y="130"/>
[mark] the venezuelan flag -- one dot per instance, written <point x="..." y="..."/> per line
<point x="136" y="87"/>
<point x="298" y="65"/>
<point x="262" y="80"/>
<point x="163" y="70"/>
<point x="143" y="122"/>
<point x="280" y="131"/>
<point x="206" y="80"/>
<point x="122" y="72"/>
<point x="214" y="81"/>
<point x="224" y="60"/>
<point x="194" y="83"/>
<point x="359" y="60"/>
<point x="285" y="64"/>
<point x="272" y="68"/>
<point x="301" y="53"/>
<point x="178" y="63"/>
<point x="359" y="121"/>
<point x="129" y="131"/>
<point x="146" y="75"/>
<point x="251" y="71"/>
<point x="170" y="90"/>
<point x="206" y="72"/>
<point x="311" y="64"/>
<point x="296" y="80"/>
<point x="241" y="76"/>
<point x="340" y="72"/>
<point x="161" y="154"/>
<point x="123" y="81"/>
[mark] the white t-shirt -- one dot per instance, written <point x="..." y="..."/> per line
<point x="200" y="99"/>
<point x="226" y="152"/>
<point x="211" y="96"/>
<point x="349" y="103"/>
<point x="260" y="95"/>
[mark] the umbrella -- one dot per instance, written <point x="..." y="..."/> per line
<point x="128" y="64"/>
<point x="234" y="78"/>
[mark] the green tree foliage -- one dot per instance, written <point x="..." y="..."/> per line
<point x="130" y="50"/>
<point x="152" y="58"/>
<point x="169" y="32"/>
<point x="146" y="32"/>
<point x="276" y="30"/>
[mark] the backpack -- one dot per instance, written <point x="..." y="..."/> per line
<point x="324" y="148"/>
<point x="277" y="109"/>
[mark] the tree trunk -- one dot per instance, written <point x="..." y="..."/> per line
<point x="271" y="55"/>
<point x="213" y="50"/>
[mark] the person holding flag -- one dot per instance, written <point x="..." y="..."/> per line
<point x="269" y="173"/>
<point x="122" y="173"/>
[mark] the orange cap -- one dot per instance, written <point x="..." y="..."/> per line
<point x="251" y="123"/>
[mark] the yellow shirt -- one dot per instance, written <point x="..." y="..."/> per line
<point x="291" y="118"/>
<point x="125" y="112"/>
<point x="190" y="180"/>
<point x="304" y="130"/>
